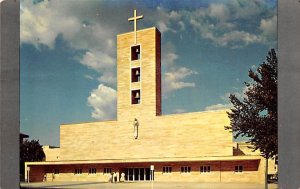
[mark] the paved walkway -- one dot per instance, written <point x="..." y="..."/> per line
<point x="144" y="185"/>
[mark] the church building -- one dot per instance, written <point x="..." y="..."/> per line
<point x="142" y="144"/>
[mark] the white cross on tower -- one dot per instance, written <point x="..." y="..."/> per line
<point x="134" y="19"/>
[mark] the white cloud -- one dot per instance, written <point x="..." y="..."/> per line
<point x="239" y="93"/>
<point x="269" y="28"/>
<point x="179" y="110"/>
<point x="219" y="11"/>
<point x="218" y="107"/>
<point x="163" y="19"/>
<point x="162" y="27"/>
<point x="182" y="25"/>
<point x="233" y="38"/>
<point x="103" y="100"/>
<point x="243" y="9"/>
<point x="173" y="79"/>
<point x="39" y="24"/>
<point x="108" y="78"/>
<point x="169" y="58"/>
<point x="268" y="25"/>
<point x="224" y="34"/>
<point x="88" y="77"/>
<point x="224" y="24"/>
<point x="97" y="60"/>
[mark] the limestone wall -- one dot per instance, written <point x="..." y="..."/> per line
<point x="182" y="135"/>
<point x="51" y="153"/>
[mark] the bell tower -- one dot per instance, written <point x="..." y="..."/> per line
<point x="139" y="72"/>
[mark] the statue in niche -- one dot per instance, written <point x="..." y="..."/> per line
<point x="136" y="128"/>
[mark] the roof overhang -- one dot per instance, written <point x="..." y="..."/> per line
<point x="146" y="160"/>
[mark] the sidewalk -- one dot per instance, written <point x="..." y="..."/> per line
<point x="144" y="185"/>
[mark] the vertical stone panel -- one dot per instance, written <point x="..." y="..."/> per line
<point x="9" y="93"/>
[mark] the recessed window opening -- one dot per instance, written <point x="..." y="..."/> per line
<point x="78" y="171"/>
<point x="92" y="170"/>
<point x="56" y="171"/>
<point x="185" y="169"/>
<point x="135" y="74"/>
<point x="135" y="52"/>
<point x="205" y="169"/>
<point x="135" y="97"/>
<point x="238" y="168"/>
<point x="167" y="169"/>
<point x="107" y="170"/>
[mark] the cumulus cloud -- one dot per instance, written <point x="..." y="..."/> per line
<point x="174" y="79"/>
<point x="268" y="28"/>
<point x="97" y="60"/>
<point x="108" y="78"/>
<point x="162" y="27"/>
<point x="39" y="24"/>
<point x="236" y="39"/>
<point x="103" y="100"/>
<point x="169" y="58"/>
<point x="219" y="11"/>
<point x="164" y="19"/>
<point x="231" y="24"/>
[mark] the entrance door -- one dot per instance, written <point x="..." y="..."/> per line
<point x="142" y="174"/>
<point x="137" y="174"/>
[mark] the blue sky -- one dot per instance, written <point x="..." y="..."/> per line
<point x="68" y="56"/>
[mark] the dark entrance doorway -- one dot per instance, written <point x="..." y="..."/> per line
<point x="137" y="174"/>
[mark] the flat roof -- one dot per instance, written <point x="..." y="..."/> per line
<point x="144" y="160"/>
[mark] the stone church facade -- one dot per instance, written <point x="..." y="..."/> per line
<point x="180" y="147"/>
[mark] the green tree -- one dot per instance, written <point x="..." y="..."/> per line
<point x="255" y="116"/>
<point x="30" y="151"/>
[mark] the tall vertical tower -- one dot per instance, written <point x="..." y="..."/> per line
<point x="139" y="73"/>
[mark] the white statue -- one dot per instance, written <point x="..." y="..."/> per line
<point x="136" y="128"/>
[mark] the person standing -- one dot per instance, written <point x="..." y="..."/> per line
<point x="122" y="179"/>
<point x="115" y="177"/>
<point x="111" y="177"/>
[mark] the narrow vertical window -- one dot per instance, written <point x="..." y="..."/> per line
<point x="185" y="169"/>
<point x="238" y="168"/>
<point x="135" y="74"/>
<point x="167" y="169"/>
<point x="107" y="170"/>
<point x="56" y="171"/>
<point x="204" y="169"/>
<point x="135" y="97"/>
<point x="92" y="171"/>
<point x="135" y="52"/>
<point x="78" y="171"/>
